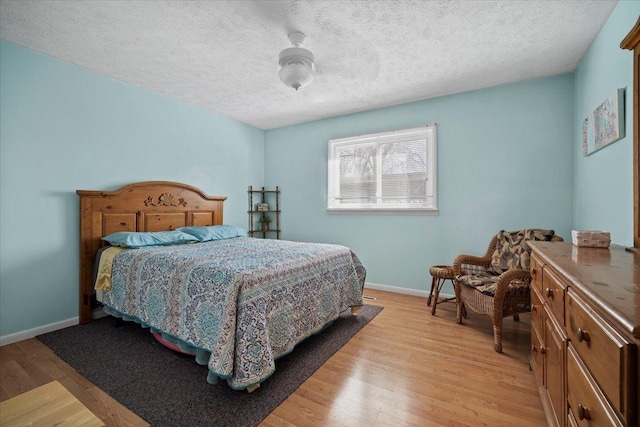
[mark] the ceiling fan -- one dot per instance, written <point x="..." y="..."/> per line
<point x="297" y="67"/>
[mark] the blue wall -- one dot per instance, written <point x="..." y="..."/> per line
<point x="604" y="180"/>
<point x="65" y="128"/>
<point x="505" y="159"/>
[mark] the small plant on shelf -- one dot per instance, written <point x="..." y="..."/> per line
<point x="265" y="221"/>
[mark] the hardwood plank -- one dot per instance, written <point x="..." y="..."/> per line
<point x="47" y="405"/>
<point x="29" y="364"/>
<point x="276" y="421"/>
<point x="404" y="368"/>
<point x="15" y="380"/>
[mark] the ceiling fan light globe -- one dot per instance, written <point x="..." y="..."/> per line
<point x="296" y="75"/>
<point x="297" y="64"/>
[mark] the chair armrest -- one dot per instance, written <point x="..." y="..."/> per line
<point x="482" y="262"/>
<point x="502" y="285"/>
<point x="463" y="260"/>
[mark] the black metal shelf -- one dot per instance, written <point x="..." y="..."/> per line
<point x="264" y="196"/>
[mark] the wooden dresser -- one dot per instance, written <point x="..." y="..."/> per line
<point x="585" y="333"/>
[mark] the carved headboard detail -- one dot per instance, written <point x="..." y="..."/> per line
<point x="143" y="206"/>
<point x="165" y="199"/>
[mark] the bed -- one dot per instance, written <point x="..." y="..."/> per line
<point x="237" y="303"/>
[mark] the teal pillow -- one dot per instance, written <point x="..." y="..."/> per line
<point x="215" y="232"/>
<point x="132" y="239"/>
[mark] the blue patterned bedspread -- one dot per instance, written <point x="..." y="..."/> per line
<point x="245" y="300"/>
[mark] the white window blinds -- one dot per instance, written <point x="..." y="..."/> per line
<point x="384" y="171"/>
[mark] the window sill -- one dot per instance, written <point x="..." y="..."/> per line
<point x="377" y="211"/>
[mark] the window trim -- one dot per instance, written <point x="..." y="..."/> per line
<point x="632" y="42"/>
<point x="432" y="153"/>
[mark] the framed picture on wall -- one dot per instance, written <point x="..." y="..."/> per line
<point x="605" y="125"/>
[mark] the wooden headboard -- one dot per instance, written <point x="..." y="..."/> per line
<point x="143" y="206"/>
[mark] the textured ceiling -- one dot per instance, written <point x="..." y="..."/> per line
<point x="222" y="56"/>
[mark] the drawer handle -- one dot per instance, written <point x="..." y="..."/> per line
<point x="534" y="349"/>
<point x="550" y="292"/>
<point x="534" y="308"/>
<point x="583" y="413"/>
<point x="583" y="335"/>
<point x="534" y="271"/>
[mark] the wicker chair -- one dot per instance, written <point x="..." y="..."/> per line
<point x="497" y="284"/>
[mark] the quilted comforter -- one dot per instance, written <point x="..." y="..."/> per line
<point x="245" y="301"/>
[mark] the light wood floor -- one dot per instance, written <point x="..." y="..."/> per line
<point x="404" y="368"/>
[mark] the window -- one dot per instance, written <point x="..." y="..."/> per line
<point x="391" y="171"/>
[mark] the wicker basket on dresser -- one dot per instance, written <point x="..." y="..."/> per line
<point x="585" y="333"/>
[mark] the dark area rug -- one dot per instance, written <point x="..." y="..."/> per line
<point x="170" y="389"/>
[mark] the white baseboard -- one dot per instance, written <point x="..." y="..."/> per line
<point x="30" y="333"/>
<point x="25" y="335"/>
<point x="406" y="291"/>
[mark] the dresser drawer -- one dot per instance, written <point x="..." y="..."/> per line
<point x="587" y="404"/>
<point x="536" y="272"/>
<point x="536" y="310"/>
<point x="555" y="354"/>
<point x="553" y="294"/>
<point x="537" y="354"/>
<point x="606" y="354"/>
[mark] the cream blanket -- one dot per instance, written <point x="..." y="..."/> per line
<point x="103" y="278"/>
